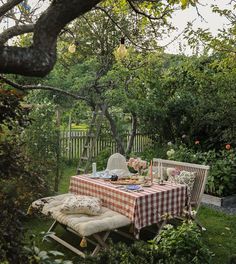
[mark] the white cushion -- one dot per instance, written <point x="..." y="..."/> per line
<point x="85" y="225"/>
<point x="81" y="204"/>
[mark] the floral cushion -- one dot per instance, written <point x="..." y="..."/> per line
<point x="182" y="177"/>
<point x="81" y="204"/>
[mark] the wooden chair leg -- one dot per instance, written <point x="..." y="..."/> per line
<point x="101" y="242"/>
<point x="67" y="245"/>
<point x="53" y="226"/>
<point x="127" y="235"/>
<point x="50" y="230"/>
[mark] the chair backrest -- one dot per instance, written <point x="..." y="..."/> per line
<point x="201" y="172"/>
<point x="117" y="161"/>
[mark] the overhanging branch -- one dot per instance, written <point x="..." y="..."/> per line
<point x="140" y="12"/>
<point x="39" y="59"/>
<point x="41" y="87"/>
<point x="15" y="31"/>
<point x="123" y="32"/>
<point x="8" y="6"/>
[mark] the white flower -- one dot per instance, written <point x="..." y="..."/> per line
<point x="72" y="48"/>
<point x="168" y="226"/>
<point x="169" y="143"/>
<point x="170" y="152"/>
<point x="193" y="213"/>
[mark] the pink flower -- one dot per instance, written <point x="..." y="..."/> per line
<point x="228" y="146"/>
<point x="130" y="162"/>
<point x="144" y="164"/>
<point x="137" y="163"/>
<point x="175" y="172"/>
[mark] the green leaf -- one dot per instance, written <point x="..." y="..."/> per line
<point x="184" y="3"/>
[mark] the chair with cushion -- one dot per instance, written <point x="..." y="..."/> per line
<point x="81" y="215"/>
<point x="200" y="173"/>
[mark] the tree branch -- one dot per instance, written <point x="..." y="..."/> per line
<point x="123" y="32"/>
<point x="9" y="5"/>
<point x="138" y="11"/>
<point x="133" y="133"/>
<point x="15" y="31"/>
<point x="114" y="131"/>
<point x="39" y="59"/>
<point x="41" y="87"/>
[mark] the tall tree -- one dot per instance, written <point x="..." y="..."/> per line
<point x="39" y="58"/>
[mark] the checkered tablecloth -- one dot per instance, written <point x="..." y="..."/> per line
<point x="143" y="208"/>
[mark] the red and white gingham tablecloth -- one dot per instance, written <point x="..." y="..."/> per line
<point x="142" y="208"/>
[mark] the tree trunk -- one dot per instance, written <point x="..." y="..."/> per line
<point x="115" y="133"/>
<point x="58" y="151"/>
<point x="133" y="133"/>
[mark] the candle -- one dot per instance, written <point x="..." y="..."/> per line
<point x="94" y="169"/>
<point x="151" y="174"/>
<point x="161" y="173"/>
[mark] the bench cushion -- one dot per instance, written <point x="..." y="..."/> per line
<point x="82" y="204"/>
<point x="85" y="225"/>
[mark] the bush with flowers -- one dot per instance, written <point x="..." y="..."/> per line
<point x="221" y="179"/>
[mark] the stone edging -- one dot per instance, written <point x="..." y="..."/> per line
<point x="228" y="201"/>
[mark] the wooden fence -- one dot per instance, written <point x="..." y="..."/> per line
<point x="72" y="143"/>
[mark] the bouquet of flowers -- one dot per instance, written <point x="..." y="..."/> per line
<point x="137" y="164"/>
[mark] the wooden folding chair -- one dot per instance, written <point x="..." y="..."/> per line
<point x="201" y="172"/>
<point x="92" y="229"/>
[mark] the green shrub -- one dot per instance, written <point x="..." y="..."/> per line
<point x="34" y="255"/>
<point x="171" y="246"/>
<point x="42" y="143"/>
<point x="120" y="253"/>
<point x="102" y="158"/>
<point x="232" y="259"/>
<point x="18" y="185"/>
<point x="181" y="245"/>
<point x="221" y="179"/>
<point x="11" y="231"/>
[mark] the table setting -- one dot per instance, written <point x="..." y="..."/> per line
<point x="134" y="181"/>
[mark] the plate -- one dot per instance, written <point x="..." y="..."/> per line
<point x="105" y="176"/>
<point x="133" y="187"/>
<point x="97" y="176"/>
<point x="147" y="184"/>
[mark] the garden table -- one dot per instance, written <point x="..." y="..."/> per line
<point x="142" y="208"/>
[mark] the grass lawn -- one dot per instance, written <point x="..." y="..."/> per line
<point x="220" y="236"/>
